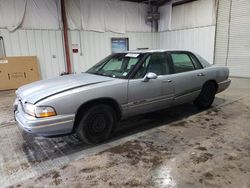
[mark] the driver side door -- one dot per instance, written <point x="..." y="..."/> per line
<point x="149" y="95"/>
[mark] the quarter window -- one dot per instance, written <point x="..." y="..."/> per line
<point x="182" y="62"/>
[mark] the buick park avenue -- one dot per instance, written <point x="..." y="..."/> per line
<point x="122" y="85"/>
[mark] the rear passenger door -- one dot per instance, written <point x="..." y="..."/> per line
<point x="188" y="76"/>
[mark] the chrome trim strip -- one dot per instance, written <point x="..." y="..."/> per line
<point x="146" y="101"/>
<point x="157" y="99"/>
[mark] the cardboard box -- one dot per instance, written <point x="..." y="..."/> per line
<point x="18" y="71"/>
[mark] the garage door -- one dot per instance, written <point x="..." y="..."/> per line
<point x="232" y="46"/>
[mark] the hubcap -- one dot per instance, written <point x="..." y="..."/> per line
<point x="97" y="124"/>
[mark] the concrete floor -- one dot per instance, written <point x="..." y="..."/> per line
<point x="178" y="147"/>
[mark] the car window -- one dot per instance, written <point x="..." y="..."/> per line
<point x="195" y="62"/>
<point x="155" y="63"/>
<point x="116" y="66"/>
<point x="113" y="64"/>
<point x="182" y="62"/>
<point x="131" y="63"/>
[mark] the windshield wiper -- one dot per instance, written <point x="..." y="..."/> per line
<point x="100" y="74"/>
<point x="96" y="73"/>
<point x="103" y="74"/>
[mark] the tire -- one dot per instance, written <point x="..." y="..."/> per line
<point x="206" y="97"/>
<point x="96" y="124"/>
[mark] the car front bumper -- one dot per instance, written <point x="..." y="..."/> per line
<point x="51" y="126"/>
<point x="223" y="85"/>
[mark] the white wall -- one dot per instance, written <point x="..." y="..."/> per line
<point x="107" y="15"/>
<point x="25" y="33"/>
<point x="47" y="45"/>
<point x="95" y="46"/>
<point x="200" y="40"/>
<point x="232" y="47"/>
<point x="194" y="14"/>
<point x="189" y="26"/>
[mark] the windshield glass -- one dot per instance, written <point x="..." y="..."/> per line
<point x="118" y="66"/>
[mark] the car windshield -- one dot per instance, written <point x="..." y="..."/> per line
<point x="117" y="66"/>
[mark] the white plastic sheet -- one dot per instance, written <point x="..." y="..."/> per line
<point x="11" y="13"/>
<point x="164" y="23"/>
<point x="41" y="15"/>
<point x="194" y="14"/>
<point x="91" y="15"/>
<point x="135" y="15"/>
<point x="73" y="12"/>
<point x="106" y="15"/>
<point x="143" y="10"/>
<point x="115" y="16"/>
<point x="132" y="13"/>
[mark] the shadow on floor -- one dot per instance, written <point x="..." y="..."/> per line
<point x="39" y="149"/>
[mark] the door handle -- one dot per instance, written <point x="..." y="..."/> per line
<point x="200" y="74"/>
<point x="167" y="81"/>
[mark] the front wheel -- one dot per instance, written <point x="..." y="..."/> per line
<point x="206" y="97"/>
<point x="96" y="124"/>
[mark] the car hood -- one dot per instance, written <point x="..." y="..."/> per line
<point x="39" y="90"/>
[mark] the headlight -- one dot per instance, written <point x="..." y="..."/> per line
<point x="39" y="111"/>
<point x="29" y="109"/>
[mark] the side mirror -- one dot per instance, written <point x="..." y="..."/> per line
<point x="149" y="76"/>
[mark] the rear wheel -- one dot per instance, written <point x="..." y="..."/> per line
<point x="206" y="97"/>
<point x="96" y="124"/>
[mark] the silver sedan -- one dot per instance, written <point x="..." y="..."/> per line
<point x="120" y="86"/>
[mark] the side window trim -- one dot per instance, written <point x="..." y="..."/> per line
<point x="171" y="62"/>
<point x="168" y="64"/>
<point x="191" y="55"/>
<point x="188" y="54"/>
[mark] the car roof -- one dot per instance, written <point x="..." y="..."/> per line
<point x="154" y="51"/>
<point x="204" y="62"/>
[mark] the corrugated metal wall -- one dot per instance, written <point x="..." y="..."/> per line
<point x="47" y="45"/>
<point x="200" y="40"/>
<point x="222" y="32"/>
<point x="94" y="46"/>
<point x="233" y="37"/>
